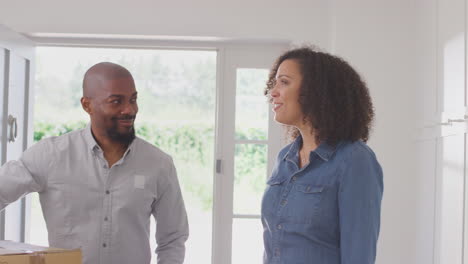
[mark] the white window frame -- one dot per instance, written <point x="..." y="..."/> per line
<point x="236" y="57"/>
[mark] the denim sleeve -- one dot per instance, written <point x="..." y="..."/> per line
<point x="359" y="198"/>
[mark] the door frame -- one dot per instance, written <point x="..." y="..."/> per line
<point x="14" y="42"/>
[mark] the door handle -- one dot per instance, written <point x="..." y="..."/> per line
<point x="13" y="132"/>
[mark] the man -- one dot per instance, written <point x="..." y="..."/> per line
<point x="99" y="186"/>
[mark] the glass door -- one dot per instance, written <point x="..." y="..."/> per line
<point x="249" y="143"/>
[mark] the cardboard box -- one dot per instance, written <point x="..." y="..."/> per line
<point x="20" y="253"/>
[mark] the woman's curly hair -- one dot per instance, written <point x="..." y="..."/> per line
<point x="333" y="97"/>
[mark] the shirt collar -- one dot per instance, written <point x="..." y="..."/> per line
<point x="93" y="145"/>
<point x="324" y="150"/>
<point x="89" y="138"/>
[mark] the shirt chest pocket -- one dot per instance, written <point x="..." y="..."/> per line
<point x="304" y="203"/>
<point x="272" y="195"/>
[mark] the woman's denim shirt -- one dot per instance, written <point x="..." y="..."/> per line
<point x="328" y="212"/>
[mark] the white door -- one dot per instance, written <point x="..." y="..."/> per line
<point x="16" y="58"/>
<point x="451" y="145"/>
<point x="248" y="143"/>
<point x="446" y="155"/>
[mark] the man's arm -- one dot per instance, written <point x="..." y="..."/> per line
<point x="171" y="221"/>
<point x="23" y="176"/>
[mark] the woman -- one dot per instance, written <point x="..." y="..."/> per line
<point x="322" y="202"/>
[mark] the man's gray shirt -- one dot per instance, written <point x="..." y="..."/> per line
<point x="104" y="211"/>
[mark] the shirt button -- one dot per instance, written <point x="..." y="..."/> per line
<point x="104" y="245"/>
<point x="107" y="192"/>
<point x="294" y="178"/>
<point x="283" y="202"/>
<point x="279" y="227"/>
<point x="105" y="218"/>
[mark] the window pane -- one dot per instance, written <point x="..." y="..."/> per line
<point x="247" y="241"/>
<point x="251" y="106"/>
<point x="176" y="98"/>
<point x="249" y="178"/>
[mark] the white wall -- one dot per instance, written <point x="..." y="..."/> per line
<point x="377" y="38"/>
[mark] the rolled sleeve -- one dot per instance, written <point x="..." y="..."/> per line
<point x="171" y="221"/>
<point x="360" y="196"/>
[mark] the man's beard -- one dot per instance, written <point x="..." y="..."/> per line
<point x="115" y="135"/>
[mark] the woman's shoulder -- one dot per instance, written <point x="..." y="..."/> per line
<point x="357" y="151"/>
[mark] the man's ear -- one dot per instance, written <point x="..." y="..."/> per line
<point x="86" y="104"/>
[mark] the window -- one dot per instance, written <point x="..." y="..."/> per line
<point x="250" y="164"/>
<point x="250" y="142"/>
